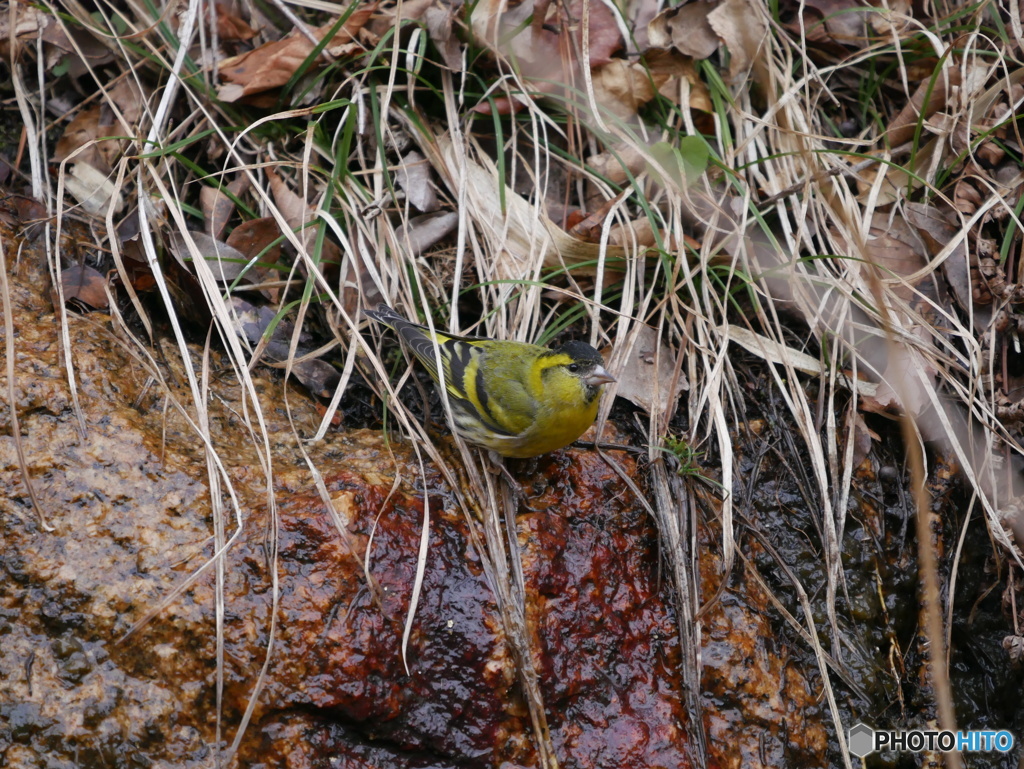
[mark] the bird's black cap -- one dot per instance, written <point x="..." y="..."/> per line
<point x="581" y="352"/>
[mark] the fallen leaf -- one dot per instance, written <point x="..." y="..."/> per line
<point x="439" y="26"/>
<point x="863" y="437"/>
<point x="928" y="98"/>
<point x="545" y="51"/>
<point x="230" y="27"/>
<point x="29" y="22"/>
<point x="937" y="230"/>
<point x="686" y="29"/>
<point x="589" y="228"/>
<point x="83" y="287"/>
<point x="93" y="189"/>
<point x="271" y="333"/>
<point x="618" y="163"/>
<point x="673" y="72"/>
<point x="272" y="65"/>
<point x="623" y="87"/>
<point x="254" y="238"/>
<point x="652" y="377"/>
<point x="413" y="178"/>
<point x="83" y="129"/>
<point x="422" y="232"/>
<point x="392" y="16"/>
<point x="131" y="99"/>
<point x="134" y="268"/>
<point x="846" y="21"/>
<point x="226" y="263"/>
<point x="218" y="207"/>
<point x="741" y="26"/>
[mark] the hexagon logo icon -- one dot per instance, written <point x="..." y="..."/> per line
<point x="862" y="740"/>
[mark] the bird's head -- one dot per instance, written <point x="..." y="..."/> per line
<point x="575" y="371"/>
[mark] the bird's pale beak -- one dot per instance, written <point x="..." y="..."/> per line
<point x="598" y="376"/>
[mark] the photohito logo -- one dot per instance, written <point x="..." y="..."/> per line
<point x="864" y="740"/>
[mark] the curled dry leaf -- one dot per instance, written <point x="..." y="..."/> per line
<point x="273" y="64"/>
<point x="862" y="436"/>
<point x="83" y="287"/>
<point x="545" y="51"/>
<point x="422" y="232"/>
<point x="226" y="263"/>
<point x="392" y="16"/>
<point x="741" y="25"/>
<point x="84" y="129"/>
<point x="938" y="230"/>
<point x="844" y="21"/>
<point x="134" y="269"/>
<point x="413" y="176"/>
<point x="230" y="27"/>
<point x="898" y="249"/>
<point x="439" y="26"/>
<point x="672" y="72"/>
<point x="624" y="87"/>
<point x="94" y="191"/>
<point x="130" y="99"/>
<point x="897" y="182"/>
<point x="686" y="29"/>
<point x="23" y="24"/>
<point x="258" y="241"/>
<point x="930" y="96"/>
<point x="640" y="234"/>
<point x="652" y="377"/>
<point x="618" y="163"/>
<point x="217" y="207"/>
<point x="254" y="238"/>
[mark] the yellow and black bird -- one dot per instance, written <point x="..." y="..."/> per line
<point x="516" y="399"/>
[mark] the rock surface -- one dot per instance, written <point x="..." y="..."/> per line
<point x="315" y="671"/>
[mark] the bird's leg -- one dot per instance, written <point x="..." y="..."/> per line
<point x="518" y="492"/>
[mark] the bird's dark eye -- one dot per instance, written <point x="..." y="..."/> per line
<point x="574" y="367"/>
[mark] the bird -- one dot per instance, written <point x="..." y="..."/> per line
<point x="515" y="399"/>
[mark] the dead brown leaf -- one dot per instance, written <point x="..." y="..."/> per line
<point x="439" y="26"/>
<point x="862" y="436"/>
<point x="83" y="287"/>
<point x="668" y="68"/>
<point x="230" y="27"/>
<point x="898" y="249"/>
<point x="273" y="64"/>
<point x="254" y="237"/>
<point x="589" y="229"/>
<point x="549" y="52"/>
<point x="130" y="99"/>
<point x="83" y="129"/>
<point x="741" y="26"/>
<point x="686" y="29"/>
<point x="218" y="207"/>
<point x="392" y="16"/>
<point x="845" y="21"/>
<point x="414" y="178"/>
<point x="652" y="377"/>
<point x="28" y="23"/>
<point x="927" y="99"/>
<point x="623" y="87"/>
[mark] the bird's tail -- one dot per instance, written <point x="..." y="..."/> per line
<point x="386" y="315"/>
